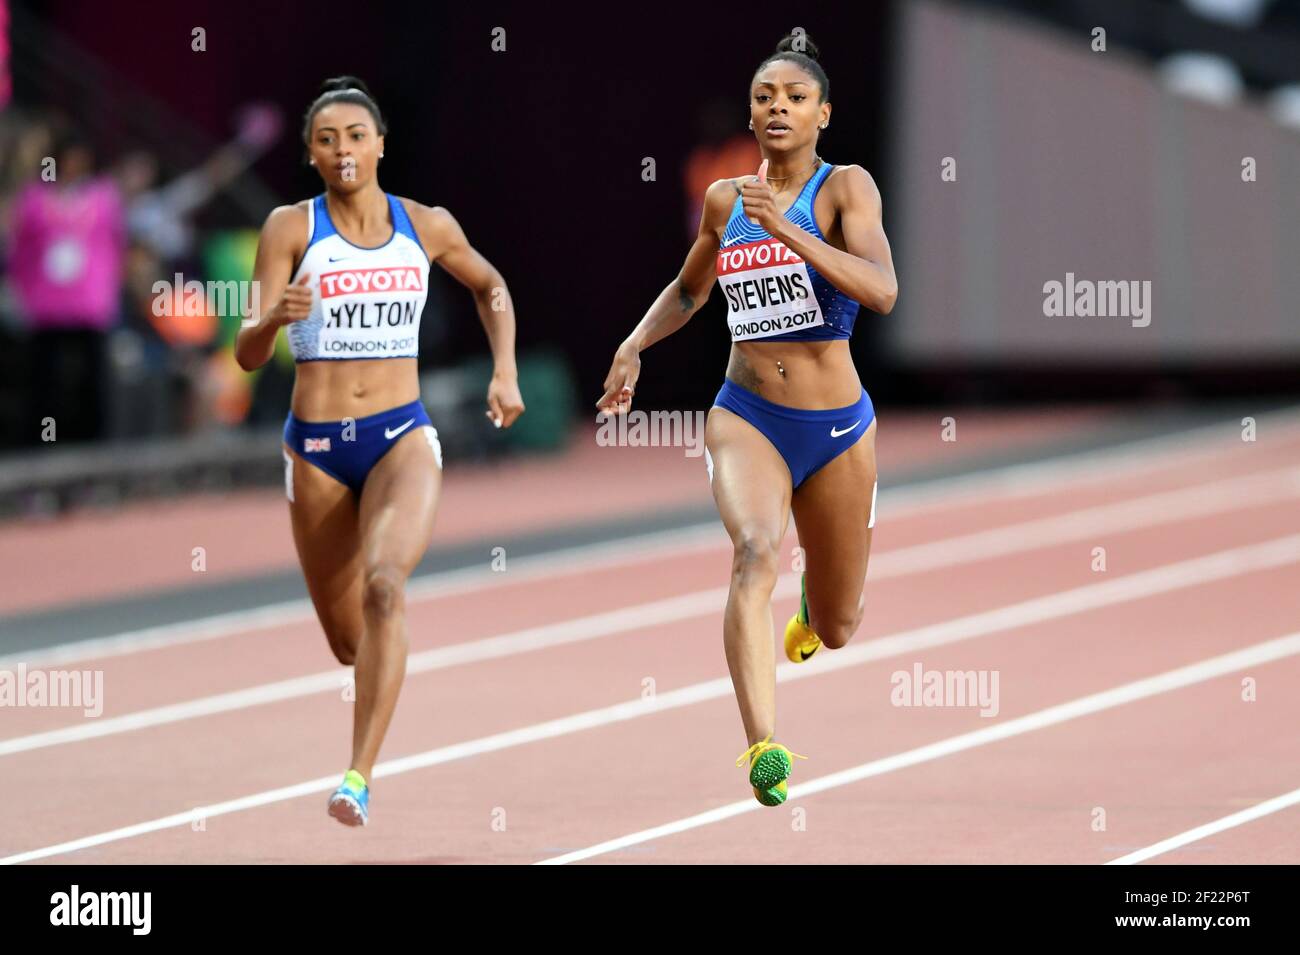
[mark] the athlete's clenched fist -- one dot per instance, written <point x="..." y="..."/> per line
<point x="294" y="305"/>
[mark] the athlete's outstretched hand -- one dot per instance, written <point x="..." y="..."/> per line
<point x="758" y="201"/>
<point x="620" y="383"/>
<point x="505" y="403"/>
<point x="294" y="305"/>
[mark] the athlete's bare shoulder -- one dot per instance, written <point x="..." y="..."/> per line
<point x="730" y="188"/>
<point x="288" y="217"/>
<point x="437" y="228"/>
<point x="286" y="227"/>
<point x="718" y="200"/>
<point x="851" y="183"/>
<point x="429" y="215"/>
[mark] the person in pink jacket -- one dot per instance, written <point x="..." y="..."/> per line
<point x="66" y="250"/>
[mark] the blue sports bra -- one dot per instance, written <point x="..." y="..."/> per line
<point x="771" y="292"/>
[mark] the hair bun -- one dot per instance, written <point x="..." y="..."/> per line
<point x="343" y="83"/>
<point x="787" y="45"/>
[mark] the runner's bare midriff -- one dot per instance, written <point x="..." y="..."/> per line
<point x="334" y="390"/>
<point x="819" y="375"/>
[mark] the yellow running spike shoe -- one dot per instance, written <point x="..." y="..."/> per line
<point x="800" y="641"/>
<point x="769" y="767"/>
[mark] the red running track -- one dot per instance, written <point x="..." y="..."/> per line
<point x="44" y="563"/>
<point x="584" y="713"/>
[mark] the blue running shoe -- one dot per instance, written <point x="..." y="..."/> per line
<point x="350" y="803"/>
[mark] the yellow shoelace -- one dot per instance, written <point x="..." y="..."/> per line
<point x="761" y="747"/>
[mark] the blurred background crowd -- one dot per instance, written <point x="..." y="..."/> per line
<point x="85" y="240"/>
<point x="134" y="151"/>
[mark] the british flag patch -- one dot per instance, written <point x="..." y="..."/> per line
<point x="315" y="444"/>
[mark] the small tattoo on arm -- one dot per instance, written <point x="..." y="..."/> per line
<point x="684" y="299"/>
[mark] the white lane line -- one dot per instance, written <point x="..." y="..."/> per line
<point x="1153" y="509"/>
<point x="1265" y="808"/>
<point x="1228" y="563"/>
<point x="1057" y="474"/>
<point x="623" y="620"/>
<point x="1051" y="716"/>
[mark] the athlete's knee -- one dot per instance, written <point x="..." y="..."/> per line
<point x="344" y="646"/>
<point x="382" y="596"/>
<point x="837" y="626"/>
<point x="837" y="632"/>
<point x="343" y="633"/>
<point x="756" y="557"/>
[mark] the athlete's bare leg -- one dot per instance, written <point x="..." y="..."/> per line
<point x="831" y="512"/>
<point x="751" y="485"/>
<point x="324" y="516"/>
<point x="398" y="504"/>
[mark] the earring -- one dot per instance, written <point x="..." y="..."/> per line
<point x="751" y="125"/>
<point x="381" y="155"/>
<point x="824" y="125"/>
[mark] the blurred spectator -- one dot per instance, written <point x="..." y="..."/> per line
<point x="67" y="241"/>
<point x="24" y="141"/>
<point x="79" y="258"/>
<point x="176" y="388"/>
<point x="1207" y="77"/>
<point x="6" y="84"/>
<point x="1237" y="13"/>
<point x="1284" y="105"/>
<point x="160" y="217"/>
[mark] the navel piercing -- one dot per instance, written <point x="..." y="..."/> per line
<point x="780" y="370"/>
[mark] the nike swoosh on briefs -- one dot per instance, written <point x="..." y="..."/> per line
<point x="394" y="432"/>
<point x="836" y="434"/>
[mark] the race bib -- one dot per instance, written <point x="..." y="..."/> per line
<point x="370" y="312"/>
<point x="768" y="290"/>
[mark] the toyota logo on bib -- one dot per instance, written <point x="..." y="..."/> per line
<point x="768" y="290"/>
<point x="354" y="281"/>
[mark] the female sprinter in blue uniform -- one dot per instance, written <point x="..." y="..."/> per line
<point x="795" y="250"/>
<point x="347" y="274"/>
